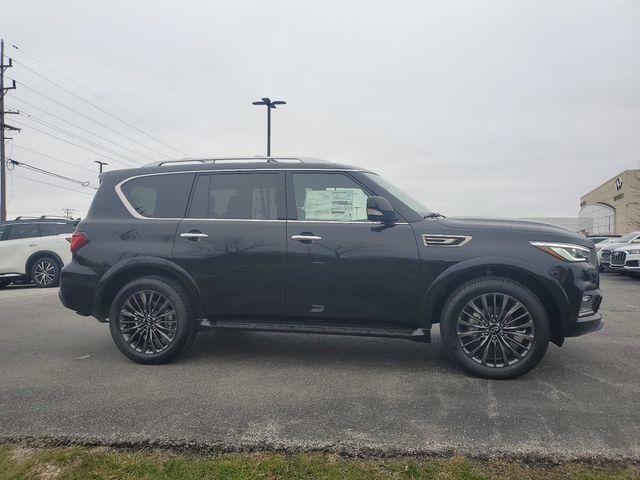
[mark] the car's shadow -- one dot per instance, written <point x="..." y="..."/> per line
<point x="306" y="349"/>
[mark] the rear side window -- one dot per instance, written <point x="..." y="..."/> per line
<point x="240" y="196"/>
<point x="23" y="230"/>
<point x="3" y="228"/>
<point x="159" y="196"/>
<point x="49" y="229"/>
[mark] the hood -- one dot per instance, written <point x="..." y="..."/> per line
<point x="624" y="246"/>
<point x="508" y="225"/>
<point x="533" y="230"/>
<point x="613" y="246"/>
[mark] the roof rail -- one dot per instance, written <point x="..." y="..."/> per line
<point x="41" y="217"/>
<point x="258" y="158"/>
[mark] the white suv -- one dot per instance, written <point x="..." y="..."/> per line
<point x="606" y="250"/>
<point x="627" y="258"/>
<point x="34" y="250"/>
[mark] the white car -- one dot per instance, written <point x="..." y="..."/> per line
<point x="627" y="258"/>
<point x="34" y="250"/>
<point x="605" y="251"/>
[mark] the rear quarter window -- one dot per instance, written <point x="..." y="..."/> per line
<point x="49" y="229"/>
<point x="159" y="196"/>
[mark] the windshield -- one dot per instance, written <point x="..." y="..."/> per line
<point x="409" y="201"/>
<point x="626" y="238"/>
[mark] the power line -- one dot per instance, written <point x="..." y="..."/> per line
<point x="53" y="158"/>
<point x="90" y="118"/>
<point x="106" y="112"/>
<point x="104" y="99"/>
<point x="74" y="144"/>
<point x="51" y="184"/>
<point x="78" y="137"/>
<point x="80" y="128"/>
<point x="28" y="166"/>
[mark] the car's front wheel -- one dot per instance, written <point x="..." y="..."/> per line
<point x="45" y="272"/>
<point x="150" y="320"/>
<point x="4" y="283"/>
<point x="495" y="328"/>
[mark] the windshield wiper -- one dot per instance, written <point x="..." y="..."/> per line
<point x="434" y="215"/>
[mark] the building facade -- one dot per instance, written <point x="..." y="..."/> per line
<point x="613" y="207"/>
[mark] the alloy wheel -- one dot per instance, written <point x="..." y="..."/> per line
<point x="45" y="272"/>
<point x="148" y="322"/>
<point x="495" y="330"/>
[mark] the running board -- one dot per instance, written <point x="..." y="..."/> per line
<point x="389" y="331"/>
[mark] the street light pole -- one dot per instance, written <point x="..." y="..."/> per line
<point x="269" y="104"/>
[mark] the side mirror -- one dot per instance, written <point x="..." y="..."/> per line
<point x="380" y="210"/>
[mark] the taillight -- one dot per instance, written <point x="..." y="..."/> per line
<point x="78" y="240"/>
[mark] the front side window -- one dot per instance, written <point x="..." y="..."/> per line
<point x="238" y="196"/>
<point x="23" y="230"/>
<point x="409" y="201"/>
<point x="159" y="196"/>
<point x="329" y="197"/>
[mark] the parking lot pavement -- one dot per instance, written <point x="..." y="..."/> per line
<point x="61" y="376"/>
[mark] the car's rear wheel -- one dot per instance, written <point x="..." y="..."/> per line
<point x="4" y="283"/>
<point x="495" y="328"/>
<point x="150" y="320"/>
<point x="45" y="272"/>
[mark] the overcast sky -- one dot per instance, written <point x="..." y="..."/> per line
<point x="477" y="108"/>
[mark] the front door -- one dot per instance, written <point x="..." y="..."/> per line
<point x="233" y="242"/>
<point x="340" y="265"/>
<point x="22" y="240"/>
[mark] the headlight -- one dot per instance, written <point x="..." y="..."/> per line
<point x="565" y="251"/>
<point x="634" y="252"/>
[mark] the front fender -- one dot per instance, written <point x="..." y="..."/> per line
<point x="451" y="278"/>
<point x="154" y="266"/>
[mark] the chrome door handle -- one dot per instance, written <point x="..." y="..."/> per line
<point x="305" y="238"/>
<point x="193" y="235"/>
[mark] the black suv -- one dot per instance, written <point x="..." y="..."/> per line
<point x="308" y="246"/>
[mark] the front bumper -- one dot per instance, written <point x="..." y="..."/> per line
<point x="586" y="324"/>
<point x="588" y="318"/>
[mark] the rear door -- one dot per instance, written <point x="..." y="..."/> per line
<point x="233" y="242"/>
<point x="22" y="240"/>
<point x="340" y="265"/>
<point x="55" y="237"/>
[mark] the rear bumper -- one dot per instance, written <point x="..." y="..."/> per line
<point x="77" y="288"/>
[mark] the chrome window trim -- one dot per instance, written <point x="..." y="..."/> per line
<point x="466" y="239"/>
<point x="361" y="222"/>
<point x="135" y="214"/>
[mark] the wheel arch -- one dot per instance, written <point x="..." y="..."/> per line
<point x="545" y="287"/>
<point x="121" y="274"/>
<point x="41" y="253"/>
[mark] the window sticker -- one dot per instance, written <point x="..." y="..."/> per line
<point x="337" y="204"/>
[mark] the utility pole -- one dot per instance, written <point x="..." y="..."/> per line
<point x="68" y="212"/>
<point x="4" y="127"/>
<point x="269" y="104"/>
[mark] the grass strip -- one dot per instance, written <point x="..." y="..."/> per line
<point x="86" y="463"/>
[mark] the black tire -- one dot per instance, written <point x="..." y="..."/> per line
<point x="181" y="322"/>
<point x="45" y="272"/>
<point x="509" y="358"/>
<point x="4" y="283"/>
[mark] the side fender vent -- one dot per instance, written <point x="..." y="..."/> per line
<point x="445" y="240"/>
